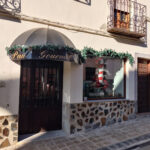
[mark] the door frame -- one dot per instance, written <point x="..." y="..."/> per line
<point x="135" y="67"/>
<point x="19" y="106"/>
<point x="148" y="72"/>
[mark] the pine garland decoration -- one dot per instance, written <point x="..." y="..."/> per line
<point x="23" y="48"/>
<point x="83" y="54"/>
<point x="90" y="52"/>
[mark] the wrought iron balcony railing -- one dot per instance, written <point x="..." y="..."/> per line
<point x="11" y="5"/>
<point x="127" y="17"/>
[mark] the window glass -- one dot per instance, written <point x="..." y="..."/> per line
<point x="103" y="78"/>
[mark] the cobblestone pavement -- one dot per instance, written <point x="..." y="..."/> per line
<point x="119" y="136"/>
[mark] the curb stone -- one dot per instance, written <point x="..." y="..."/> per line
<point x="129" y="144"/>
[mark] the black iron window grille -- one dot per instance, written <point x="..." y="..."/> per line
<point x="127" y="17"/>
<point x="11" y="5"/>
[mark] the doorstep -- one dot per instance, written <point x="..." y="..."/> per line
<point x="129" y="144"/>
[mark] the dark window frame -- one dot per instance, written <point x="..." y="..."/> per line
<point x="110" y="98"/>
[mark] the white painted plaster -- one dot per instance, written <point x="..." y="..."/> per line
<point x="76" y="83"/>
<point x="66" y="82"/>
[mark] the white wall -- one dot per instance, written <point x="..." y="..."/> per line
<point x="76" y="83"/>
<point x="68" y="11"/>
<point x="66" y="82"/>
<point x="72" y="83"/>
<point x="10" y="71"/>
<point x="72" y="12"/>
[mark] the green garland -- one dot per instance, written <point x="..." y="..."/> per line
<point x="83" y="54"/>
<point x="90" y="52"/>
<point x="23" y="48"/>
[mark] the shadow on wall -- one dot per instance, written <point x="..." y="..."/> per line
<point x="7" y="15"/>
<point x="136" y="42"/>
<point x="87" y="2"/>
<point x="9" y="91"/>
<point x="9" y="101"/>
<point x="10" y="18"/>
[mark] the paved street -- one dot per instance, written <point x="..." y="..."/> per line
<point x="115" y="137"/>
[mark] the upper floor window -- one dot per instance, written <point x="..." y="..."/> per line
<point x="121" y="19"/>
<point x="127" y="17"/>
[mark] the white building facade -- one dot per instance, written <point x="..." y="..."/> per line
<point x="68" y="95"/>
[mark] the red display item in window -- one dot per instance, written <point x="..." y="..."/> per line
<point x="106" y="84"/>
<point x="100" y="64"/>
<point x="100" y="81"/>
<point x="97" y="83"/>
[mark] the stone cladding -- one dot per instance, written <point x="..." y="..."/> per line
<point x="8" y="130"/>
<point x="90" y="115"/>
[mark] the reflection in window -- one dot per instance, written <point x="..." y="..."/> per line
<point x="103" y="78"/>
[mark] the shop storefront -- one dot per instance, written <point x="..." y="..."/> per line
<point x="62" y="88"/>
<point x="40" y="54"/>
<point x="71" y="65"/>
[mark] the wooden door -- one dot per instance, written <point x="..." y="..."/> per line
<point x="121" y="19"/>
<point x="143" y="86"/>
<point x="40" y="96"/>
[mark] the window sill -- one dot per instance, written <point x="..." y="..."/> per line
<point x="107" y="100"/>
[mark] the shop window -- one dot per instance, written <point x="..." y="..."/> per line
<point x="104" y="78"/>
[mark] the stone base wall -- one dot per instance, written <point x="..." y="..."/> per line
<point x="90" y="115"/>
<point x="8" y="130"/>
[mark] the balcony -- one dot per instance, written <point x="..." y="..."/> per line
<point x="127" y="17"/>
<point x="10" y="5"/>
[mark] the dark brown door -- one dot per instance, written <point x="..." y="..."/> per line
<point x="143" y="85"/>
<point x="40" y="96"/>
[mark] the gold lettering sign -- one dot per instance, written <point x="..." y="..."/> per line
<point x="16" y="55"/>
<point x="59" y="56"/>
<point x="44" y="54"/>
